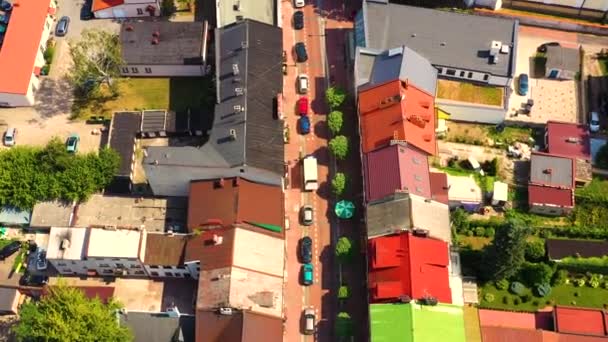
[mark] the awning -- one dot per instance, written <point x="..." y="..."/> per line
<point x="441" y="114"/>
<point x="270" y="227"/>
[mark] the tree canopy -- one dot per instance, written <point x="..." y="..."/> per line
<point x="344" y="249"/>
<point x="66" y="315"/>
<point x="505" y="256"/>
<point x="335" y="97"/>
<point x="31" y="174"/>
<point x="339" y="147"/>
<point x="338" y="183"/>
<point x="335" y="120"/>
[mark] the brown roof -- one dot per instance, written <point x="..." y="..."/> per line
<point x="238" y="327"/>
<point x="165" y="250"/>
<point x="439" y="187"/>
<point x="213" y="255"/>
<point x="234" y="200"/>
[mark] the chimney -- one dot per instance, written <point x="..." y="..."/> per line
<point x="219" y="183"/>
<point x="235" y="182"/>
<point x="154" y="41"/>
<point x="217" y="240"/>
<point x="156" y="34"/>
<point x="548" y="171"/>
<point x="232" y="133"/>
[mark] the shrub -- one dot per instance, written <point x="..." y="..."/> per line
<point x="343" y="292"/>
<point x="506" y="300"/>
<point x="469" y="233"/>
<point x="488" y="297"/>
<point x="606" y="284"/>
<point x="543" y="290"/>
<point x="525" y="298"/>
<point x="594" y="280"/>
<point x="576" y="293"/>
<point x="579" y="282"/>
<point x="480" y="231"/>
<point x="335" y="120"/>
<point x="535" y="303"/>
<point x="344" y="249"/>
<point x="536" y="273"/>
<point x="335" y="97"/>
<point x="517" y="288"/>
<point x="489" y="232"/>
<point x="559" y="278"/>
<point x="502" y="284"/>
<point x="338" y="184"/>
<point x="344" y="325"/>
<point x="460" y="220"/>
<point x="338" y="146"/>
<point x="516" y="300"/>
<point x="535" y="250"/>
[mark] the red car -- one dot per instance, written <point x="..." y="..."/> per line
<point x="303" y="106"/>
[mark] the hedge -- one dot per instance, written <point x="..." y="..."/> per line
<point x="584" y="265"/>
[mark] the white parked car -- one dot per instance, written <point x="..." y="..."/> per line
<point x="302" y="84"/>
<point x="10" y="136"/>
<point x="594" y="122"/>
<point x="299" y="3"/>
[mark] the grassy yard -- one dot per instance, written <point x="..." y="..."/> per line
<point x="548" y="16"/>
<point x="474" y="242"/>
<point x="468" y="92"/>
<point x="486" y="135"/>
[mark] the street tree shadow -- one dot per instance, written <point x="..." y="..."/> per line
<point x="54" y="97"/>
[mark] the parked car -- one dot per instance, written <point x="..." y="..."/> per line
<point x="33" y="280"/>
<point x="305" y="249"/>
<point x="72" y="143"/>
<point x="307" y="215"/>
<point x="594" y="122"/>
<point x="543" y="47"/>
<point x="62" y="26"/>
<point x="41" y="263"/>
<point x="9" y="249"/>
<point x="299" y="3"/>
<point x="10" y="136"/>
<point x="301" y="54"/>
<point x="298" y="20"/>
<point x="304" y="125"/>
<point x="303" y="106"/>
<point x="302" y="84"/>
<point x="307" y="274"/>
<point x="85" y="11"/>
<point x="309" y="321"/>
<point x="522" y="84"/>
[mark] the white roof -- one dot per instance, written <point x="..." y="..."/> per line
<point x="431" y="215"/>
<point x="72" y="240"/>
<point x="501" y="191"/>
<point x="310" y="167"/>
<point x="121" y="243"/>
<point x="464" y="189"/>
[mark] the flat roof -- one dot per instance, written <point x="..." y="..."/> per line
<point x="501" y="191"/>
<point x="51" y="214"/>
<point x="568" y="139"/>
<point x="559" y="57"/>
<point x="432" y="216"/>
<point x="552" y="170"/>
<point x="22" y="44"/>
<point x="445" y="38"/>
<point x="261" y="10"/>
<point x="120" y="243"/>
<point x="74" y="250"/>
<point x="123" y="128"/>
<point x="463" y="188"/>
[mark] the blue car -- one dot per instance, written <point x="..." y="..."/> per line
<point x="522" y="84"/>
<point x="307" y="274"/>
<point x="304" y="124"/>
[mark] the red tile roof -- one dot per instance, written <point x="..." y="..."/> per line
<point x="538" y="194"/>
<point x="559" y="140"/>
<point x="507" y="319"/>
<point x="397" y="110"/>
<point x="240" y="326"/>
<point x="408" y="265"/>
<point x="236" y="200"/>
<point x="21" y="45"/>
<point x="396" y="167"/>
<point x="439" y="187"/>
<point x="501" y="334"/>
<point x="214" y="247"/>
<point x="581" y="321"/>
<point x="99" y="5"/>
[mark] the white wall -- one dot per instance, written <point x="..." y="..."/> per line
<point x="163" y="70"/>
<point x="128" y="10"/>
<point x="157" y="271"/>
<point x="103" y="266"/>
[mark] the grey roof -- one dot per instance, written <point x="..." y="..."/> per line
<point x="562" y="58"/>
<point x="397" y="63"/>
<point x="552" y="170"/>
<point x="179" y="43"/>
<point x="246" y="136"/>
<point x="388" y="215"/>
<point x="52" y="214"/>
<point x="444" y="38"/>
<point x="14" y="216"/>
<point x="123" y="129"/>
<point x="158" y="326"/>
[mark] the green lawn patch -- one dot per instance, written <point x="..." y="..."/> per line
<point x="509" y="135"/>
<point x="596" y="191"/>
<point x="469" y="92"/>
<point x="474" y="242"/>
<point x="603" y="62"/>
<point x="17" y="267"/>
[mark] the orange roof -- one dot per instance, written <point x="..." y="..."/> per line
<point x="21" y="44"/>
<point x="99" y="5"/>
<point x="397" y="110"/>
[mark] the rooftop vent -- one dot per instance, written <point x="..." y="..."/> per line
<point x="243" y="45"/>
<point x="156" y="34"/>
<point x="548" y="171"/>
<point x="495" y="46"/>
<point x="65" y="244"/>
<point x="237" y="6"/>
<point x="154" y="41"/>
<point x="232" y="134"/>
<point x="425" y="104"/>
<point x="413" y="35"/>
<point x="572" y="140"/>
<point x="417" y="120"/>
<point x="217" y="240"/>
<point x="395" y="51"/>
<point x="238" y="108"/>
<point x="225" y="311"/>
<point x="240" y="18"/>
<point x="388" y="101"/>
<point x="235" y="181"/>
<point x="219" y="183"/>
<point x="238" y="91"/>
<point x="504" y="49"/>
<point x="443" y="43"/>
<point x="235" y="69"/>
<point x="129" y="28"/>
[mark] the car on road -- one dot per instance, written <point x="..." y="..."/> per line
<point x="304" y="125"/>
<point x="41" y="263"/>
<point x="298" y="20"/>
<point x="307" y="215"/>
<point x="301" y="54"/>
<point x="9" y="249"/>
<point x="543" y="47"/>
<point x="302" y="83"/>
<point x="10" y="136"/>
<point x="62" y="26"/>
<point x="522" y="84"/>
<point x="299" y="3"/>
<point x="72" y="143"/>
<point x="303" y="106"/>
<point x="307" y="274"/>
<point x="309" y="321"/>
<point x="305" y="249"/>
<point x="33" y="280"/>
<point x="594" y="122"/>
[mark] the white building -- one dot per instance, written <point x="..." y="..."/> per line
<point x="104" y="9"/>
<point x="97" y="252"/>
<point x="22" y="51"/>
<point x="164" y="257"/>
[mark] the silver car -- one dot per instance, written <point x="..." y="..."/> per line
<point x="9" y="137"/>
<point x="309" y="321"/>
<point x="307" y="215"/>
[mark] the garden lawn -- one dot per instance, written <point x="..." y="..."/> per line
<point x="596" y="191"/>
<point x="561" y="295"/>
<point x="468" y="92"/>
<point x="475" y="242"/>
<point x="509" y="135"/>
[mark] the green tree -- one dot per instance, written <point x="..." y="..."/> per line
<point x="535" y="250"/>
<point x="66" y="315"/>
<point x="601" y="158"/>
<point x="344" y="325"/>
<point x="505" y="256"/>
<point x="338" y="146"/>
<point x="560" y="277"/>
<point x="343" y="292"/>
<point x="335" y="97"/>
<point x="96" y="60"/>
<point x="338" y="183"/>
<point x="344" y="249"/>
<point x="460" y="220"/>
<point x="335" y="120"/>
<point x="536" y="273"/>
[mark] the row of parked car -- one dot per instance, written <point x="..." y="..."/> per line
<point x="38" y="260"/>
<point x="71" y="143"/>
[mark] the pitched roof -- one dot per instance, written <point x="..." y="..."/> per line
<point x="502" y="334"/>
<point x="396" y="167"/>
<point x="165" y="250"/>
<point x="507" y="319"/>
<point x="552" y="170"/>
<point x="583" y="321"/>
<point x="397" y="110"/>
<point x="240" y="326"/>
<point x="388" y="215"/>
<point x="99" y="5"/>
<point x="234" y="200"/>
<point x="562" y="248"/>
<point x="214" y="247"/>
<point x="439" y="187"/>
<point x="562" y="58"/>
<point x="158" y="326"/>
<point x="568" y="139"/>
<point x="22" y="41"/>
<point x="538" y="194"/>
<point x="177" y="43"/>
<point x="405" y="264"/>
<point x="444" y="38"/>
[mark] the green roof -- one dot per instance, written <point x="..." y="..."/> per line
<point x="416" y="323"/>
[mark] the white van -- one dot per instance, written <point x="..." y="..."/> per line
<point x="9" y="137"/>
<point x="309" y="321"/>
<point x="302" y="84"/>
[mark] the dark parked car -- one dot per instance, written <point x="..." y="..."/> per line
<point x="304" y="124"/>
<point x="306" y="249"/>
<point x="41" y="263"/>
<point x="301" y="54"/>
<point x="85" y="12"/>
<point x="9" y="249"/>
<point x="33" y="280"/>
<point x="298" y="20"/>
<point x="62" y="26"/>
<point x="543" y="47"/>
